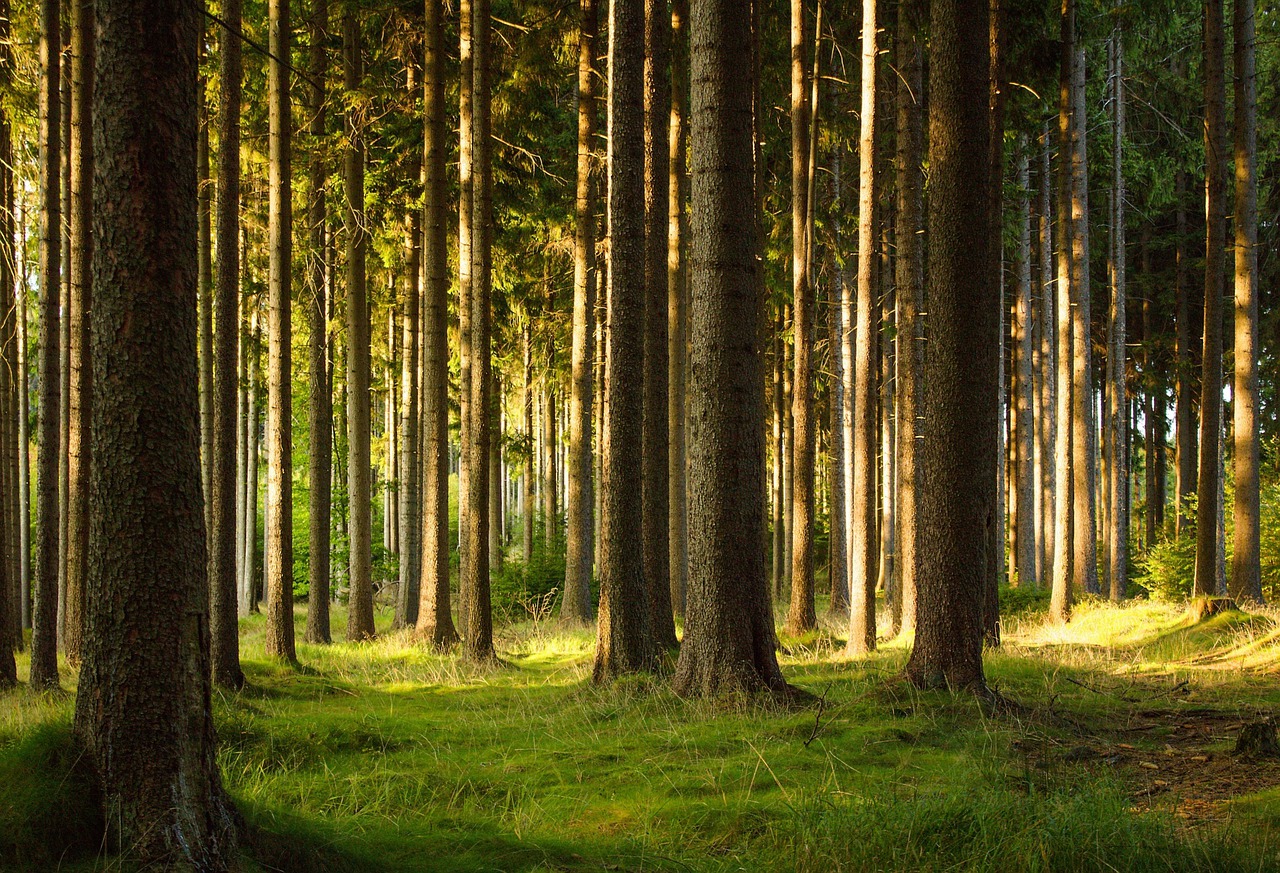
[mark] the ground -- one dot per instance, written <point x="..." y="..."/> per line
<point x="1113" y="753"/>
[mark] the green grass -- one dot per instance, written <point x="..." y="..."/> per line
<point x="383" y="756"/>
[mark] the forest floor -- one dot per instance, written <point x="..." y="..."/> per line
<point x="1116" y="755"/>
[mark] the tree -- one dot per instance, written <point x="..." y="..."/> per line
<point x="9" y="617"/>
<point x="44" y="619"/>
<point x="624" y="643"/>
<point x="223" y="545"/>
<point x="678" y="307"/>
<point x="580" y="507"/>
<point x="320" y="406"/>
<point x="143" y="704"/>
<point x="729" y="640"/>
<point x="410" y="490"/>
<point x="1024" y="540"/>
<point x="279" y="539"/>
<point x="1117" y="539"/>
<point x="861" y="439"/>
<point x="654" y="461"/>
<point x="79" y="380"/>
<point x="435" y="621"/>
<point x="1246" y="572"/>
<point x="1215" y="151"/>
<point x="360" y="622"/>
<point x="958" y="482"/>
<point x="801" y="616"/>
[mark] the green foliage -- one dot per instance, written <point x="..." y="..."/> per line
<point x="1167" y="569"/>
<point x="49" y="813"/>
<point x="1023" y="601"/>
<point x="522" y="592"/>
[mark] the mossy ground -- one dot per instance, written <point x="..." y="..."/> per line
<point x="384" y="756"/>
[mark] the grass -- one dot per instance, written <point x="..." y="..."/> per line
<point x="385" y="757"/>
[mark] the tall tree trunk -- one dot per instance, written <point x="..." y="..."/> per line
<point x="1117" y="405"/>
<point x="279" y="539"/>
<point x="625" y="642"/>
<point x="580" y="515"/>
<point x="360" y="620"/>
<point x="781" y="495"/>
<point x="44" y="619"/>
<point x="11" y="611"/>
<point x="677" y="307"/>
<point x="1215" y="148"/>
<point x="550" y="491"/>
<point x="248" y="561"/>
<point x="800" y="614"/>
<point x="228" y="495"/>
<point x="496" y="482"/>
<point x="1084" y="463"/>
<point x="1246" y="578"/>
<point x="143" y="710"/>
<point x="435" y="618"/>
<point x="1024" y="558"/>
<point x="861" y="492"/>
<point x="474" y="562"/>
<point x="204" y="271"/>
<point x="320" y="405"/>
<point x="960" y="434"/>
<point x="1063" y="553"/>
<point x="64" y="328"/>
<point x="24" y="433"/>
<point x="654" y="461"/>
<point x="79" y="381"/>
<point x="1185" y="412"/>
<point x="838" y="574"/>
<point x="531" y="462"/>
<point x="909" y="268"/>
<point x="1047" y="435"/>
<point x="729" y="640"/>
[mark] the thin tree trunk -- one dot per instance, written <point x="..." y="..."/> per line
<point x="1024" y="386"/>
<point x="677" y="307"/>
<point x="206" y="290"/>
<point x="580" y="515"/>
<point x="1246" y="579"/>
<point x="995" y="256"/>
<point x="1185" y="433"/>
<point x="1046" y="444"/>
<point x="1118" y="435"/>
<point x="625" y="642"/>
<point x="248" y="564"/>
<point x="862" y="489"/>
<point x="240" y="382"/>
<point x="64" y="328"/>
<point x="44" y="621"/>
<point x="1215" y="146"/>
<point x="320" y="405"/>
<point x="12" y="610"/>
<point x="24" y="434"/>
<point x="838" y="574"/>
<point x="496" y="481"/>
<point x="531" y="463"/>
<point x="550" y="493"/>
<point x="780" y="492"/>
<point x="655" y="458"/>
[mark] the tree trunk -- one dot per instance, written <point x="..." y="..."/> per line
<point x="838" y="573"/>
<point x="961" y="371"/>
<point x="11" y="610"/>
<point x="1117" y="393"/>
<point x="1047" y="435"/>
<point x="1185" y="433"/>
<point x="435" y="618"/>
<point x="655" y="459"/>
<point x="1024" y="559"/>
<point x="729" y="640"/>
<point x="1246" y="579"/>
<point x="531" y="462"/>
<point x="677" y="308"/>
<point x="227" y="492"/>
<point x="580" y="514"/>
<point x="496" y="482"/>
<point x="248" y="563"/>
<point x="800" y="615"/>
<point x="474" y="560"/>
<point x="780" y="492"/>
<point x="550" y="491"/>
<point x="206" y="290"/>
<point x="64" y="329"/>
<point x="320" y="405"/>
<point x="1215" y="147"/>
<point x="862" y="487"/>
<point x="143" y="705"/>
<point x="44" y="620"/>
<point x="625" y="642"/>
<point x="360" y="620"/>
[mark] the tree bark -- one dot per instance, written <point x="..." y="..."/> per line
<point x="143" y="704"/>
<point x="320" y="405"/>
<point x="961" y="370"/>
<point x="729" y="640"/>
<point x="625" y="642"/>
<point x="678" y="308"/>
<point x="1185" y="412"/>
<point x="11" y="609"/>
<point x="1215" y="147"/>
<point x="861" y="492"/>
<point x="1024" y="559"/>
<point x="435" y="618"/>
<point x="1246" y="572"/>
<point x="44" y="620"/>
<point x="1047" y="434"/>
<point x="655" y="459"/>
<point x="1117" y="391"/>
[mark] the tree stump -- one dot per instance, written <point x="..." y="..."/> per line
<point x="1258" y="740"/>
<point x="1207" y="607"/>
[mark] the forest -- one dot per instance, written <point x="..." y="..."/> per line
<point x="532" y="435"/>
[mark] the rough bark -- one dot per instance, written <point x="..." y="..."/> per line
<point x="204" y="281"/>
<point x="862" y="487"/>
<point x="435" y="618"/>
<point x="1185" y="412"/>
<point x="143" y="705"/>
<point x="580" y="514"/>
<point x="625" y="643"/>
<point x="223" y="628"/>
<point x="1117" y="557"/>
<point x="360" y="620"/>
<point x="1215" y="147"/>
<point x="729" y="640"/>
<point x="838" y="572"/>
<point x="11" y="609"/>
<point x="1024" y="558"/>
<point x="1047" y="433"/>
<point x="320" y="403"/>
<point x="44" y="619"/>
<point x="778" y="552"/>
<point x="800" y="613"/>
<point x="1246" y="578"/>
<point x="678" y="308"/>
<point x="958" y="484"/>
